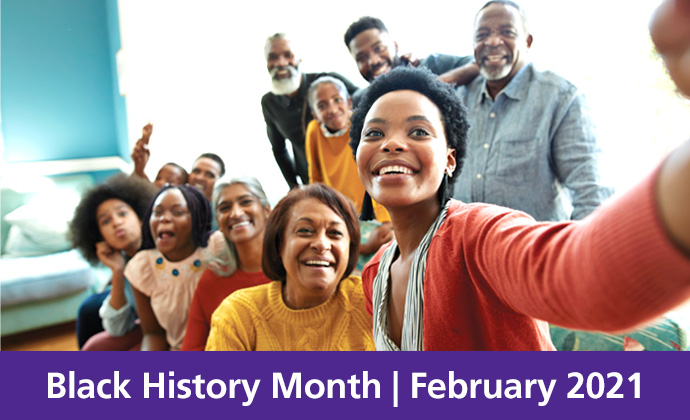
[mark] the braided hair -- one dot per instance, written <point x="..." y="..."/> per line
<point x="199" y="209"/>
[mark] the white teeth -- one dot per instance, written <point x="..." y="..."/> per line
<point x="240" y="224"/>
<point x="320" y="263"/>
<point x="394" y="169"/>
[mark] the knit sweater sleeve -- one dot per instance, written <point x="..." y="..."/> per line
<point x="230" y="331"/>
<point x="611" y="271"/>
<point x="311" y="148"/>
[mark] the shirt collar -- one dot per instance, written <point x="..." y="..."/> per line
<point x="327" y="133"/>
<point x="516" y="89"/>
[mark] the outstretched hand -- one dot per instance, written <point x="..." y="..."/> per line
<point x="141" y="153"/>
<point x="146" y="132"/>
<point x="670" y="31"/>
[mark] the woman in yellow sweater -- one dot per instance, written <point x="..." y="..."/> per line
<point x="330" y="157"/>
<point x="310" y="248"/>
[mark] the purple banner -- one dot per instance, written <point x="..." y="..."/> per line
<point x="344" y="385"/>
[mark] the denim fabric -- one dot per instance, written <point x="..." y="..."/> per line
<point x="532" y="149"/>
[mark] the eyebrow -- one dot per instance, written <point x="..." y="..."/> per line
<point x="331" y="223"/>
<point x="172" y="207"/>
<point x="104" y="214"/>
<point x="377" y="120"/>
<point x="242" y="197"/>
<point x="418" y="118"/>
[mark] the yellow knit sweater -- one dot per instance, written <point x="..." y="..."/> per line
<point x="257" y="319"/>
<point x="331" y="162"/>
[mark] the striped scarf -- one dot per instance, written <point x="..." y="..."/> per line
<point x="412" y="331"/>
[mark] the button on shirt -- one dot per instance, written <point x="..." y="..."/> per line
<point x="533" y="148"/>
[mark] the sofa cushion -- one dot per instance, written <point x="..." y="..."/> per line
<point x="45" y="277"/>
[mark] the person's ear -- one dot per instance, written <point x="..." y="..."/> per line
<point x="451" y="163"/>
<point x="529" y="41"/>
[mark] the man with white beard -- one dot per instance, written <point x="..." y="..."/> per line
<point x="532" y="144"/>
<point x="285" y="107"/>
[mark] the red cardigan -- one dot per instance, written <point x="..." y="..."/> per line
<point x="210" y="292"/>
<point x="493" y="273"/>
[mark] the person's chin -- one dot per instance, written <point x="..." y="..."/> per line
<point x="285" y="86"/>
<point x="495" y="74"/>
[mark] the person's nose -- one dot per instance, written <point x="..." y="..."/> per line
<point x="393" y="143"/>
<point x="118" y="221"/>
<point x="331" y="109"/>
<point x="236" y="211"/>
<point x="493" y="40"/>
<point x="282" y="61"/>
<point x="374" y="60"/>
<point x="320" y="243"/>
<point x="164" y="216"/>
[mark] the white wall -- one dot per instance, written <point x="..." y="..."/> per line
<point x="197" y="70"/>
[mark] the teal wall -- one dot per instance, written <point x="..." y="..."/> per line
<point x="59" y="97"/>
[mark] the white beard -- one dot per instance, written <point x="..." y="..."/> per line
<point x="497" y="74"/>
<point x="285" y="86"/>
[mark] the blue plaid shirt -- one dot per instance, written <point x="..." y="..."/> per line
<point x="533" y="148"/>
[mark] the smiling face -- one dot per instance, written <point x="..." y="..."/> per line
<point x="314" y="252"/>
<point x="240" y="215"/>
<point x="403" y="151"/>
<point x="375" y="53"/>
<point x="331" y="109"/>
<point x="119" y="225"/>
<point x="204" y="175"/>
<point x="501" y="42"/>
<point x="283" y="66"/>
<point x="171" y="225"/>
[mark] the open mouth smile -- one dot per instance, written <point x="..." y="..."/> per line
<point x="242" y="224"/>
<point x="394" y="170"/>
<point x="318" y="263"/>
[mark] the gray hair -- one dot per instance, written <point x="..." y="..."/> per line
<point x="275" y="36"/>
<point x="226" y="262"/>
<point x="339" y="85"/>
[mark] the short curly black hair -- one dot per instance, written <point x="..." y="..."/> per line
<point x="216" y="158"/>
<point x="83" y="229"/>
<point x="443" y="95"/>
<point x="363" y="24"/>
<point x="199" y="208"/>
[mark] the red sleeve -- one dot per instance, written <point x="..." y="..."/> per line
<point x="197" y="327"/>
<point x="611" y="271"/>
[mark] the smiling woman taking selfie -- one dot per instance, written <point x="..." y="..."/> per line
<point x="475" y="276"/>
<point x="310" y="249"/>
